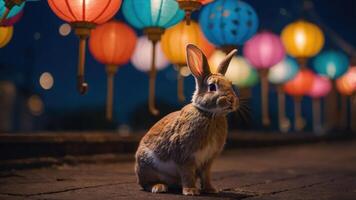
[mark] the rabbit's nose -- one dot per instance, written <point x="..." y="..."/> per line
<point x="223" y="102"/>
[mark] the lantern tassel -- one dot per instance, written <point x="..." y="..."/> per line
<point x="6" y="13"/>
<point x="264" y="92"/>
<point x="111" y="71"/>
<point x="180" y="85"/>
<point x="298" y="119"/>
<point x="152" y="82"/>
<point x="188" y="16"/>
<point x="82" y="85"/>
<point x="284" y="123"/>
<point x="316" y="115"/>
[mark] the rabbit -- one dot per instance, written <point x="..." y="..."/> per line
<point x="181" y="147"/>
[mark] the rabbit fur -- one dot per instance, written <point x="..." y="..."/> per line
<point x="181" y="147"/>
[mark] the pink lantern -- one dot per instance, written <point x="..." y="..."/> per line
<point x="321" y="87"/>
<point x="264" y="50"/>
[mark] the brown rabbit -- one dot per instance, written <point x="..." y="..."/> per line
<point x="182" y="146"/>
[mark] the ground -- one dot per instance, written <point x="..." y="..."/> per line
<point x="309" y="171"/>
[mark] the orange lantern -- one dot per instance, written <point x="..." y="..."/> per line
<point x="6" y="33"/>
<point x="83" y="16"/>
<point x="297" y="87"/>
<point x="112" y="44"/>
<point x="190" y="6"/>
<point x="174" y="42"/>
<point x="344" y="86"/>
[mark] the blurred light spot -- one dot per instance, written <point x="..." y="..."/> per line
<point x="283" y="11"/>
<point x="37" y="36"/>
<point x="65" y="29"/>
<point x="124" y="130"/>
<point x="46" y="80"/>
<point x="185" y="71"/>
<point x="35" y="105"/>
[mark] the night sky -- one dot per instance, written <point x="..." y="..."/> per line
<point x="37" y="47"/>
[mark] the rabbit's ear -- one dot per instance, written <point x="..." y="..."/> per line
<point x="225" y="63"/>
<point x="197" y="62"/>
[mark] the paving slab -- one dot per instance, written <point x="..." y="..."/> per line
<point x="311" y="171"/>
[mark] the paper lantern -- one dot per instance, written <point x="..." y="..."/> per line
<point x="6" y="33"/>
<point x="321" y="87"/>
<point x="331" y="63"/>
<point x="10" y="8"/>
<point x="283" y="71"/>
<point x="190" y="6"/>
<point x="300" y="84"/>
<point x="83" y="16"/>
<point x="228" y="23"/>
<point x="141" y="58"/>
<point x="350" y="77"/>
<point x="153" y="16"/>
<point x="112" y="44"/>
<point x="297" y="87"/>
<point x="279" y="74"/>
<point x="174" y="42"/>
<point x="263" y="51"/>
<point x="240" y="72"/>
<point x="152" y="13"/>
<point x="344" y="86"/>
<point x="302" y="39"/>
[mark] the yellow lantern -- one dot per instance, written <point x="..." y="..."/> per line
<point x="5" y="35"/>
<point x="302" y="39"/>
<point x="174" y="42"/>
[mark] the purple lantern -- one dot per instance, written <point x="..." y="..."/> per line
<point x="264" y="50"/>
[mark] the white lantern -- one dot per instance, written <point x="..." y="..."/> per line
<point x="141" y="58"/>
<point x="239" y="72"/>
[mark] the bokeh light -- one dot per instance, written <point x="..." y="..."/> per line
<point x="46" y="80"/>
<point x="65" y="29"/>
<point x="35" y="105"/>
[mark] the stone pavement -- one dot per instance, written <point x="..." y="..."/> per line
<point x="314" y="171"/>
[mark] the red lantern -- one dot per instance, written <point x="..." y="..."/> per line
<point x="83" y="16"/>
<point x="112" y="44"/>
<point x="297" y="87"/>
<point x="301" y="83"/>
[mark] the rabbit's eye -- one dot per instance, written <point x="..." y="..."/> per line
<point x="212" y="87"/>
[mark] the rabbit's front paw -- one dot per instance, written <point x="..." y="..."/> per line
<point x="190" y="191"/>
<point x="209" y="190"/>
<point x="159" y="188"/>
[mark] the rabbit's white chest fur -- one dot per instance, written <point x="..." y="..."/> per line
<point x="168" y="167"/>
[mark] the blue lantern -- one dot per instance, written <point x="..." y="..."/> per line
<point x="153" y="16"/>
<point x="14" y="10"/>
<point x="283" y="71"/>
<point x="331" y="63"/>
<point x="228" y="22"/>
<point x="152" y="13"/>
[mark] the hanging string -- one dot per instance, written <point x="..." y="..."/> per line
<point x="152" y="82"/>
<point x="111" y="71"/>
<point x="264" y="93"/>
<point x="82" y="85"/>
<point x="316" y="115"/>
<point x="284" y="123"/>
